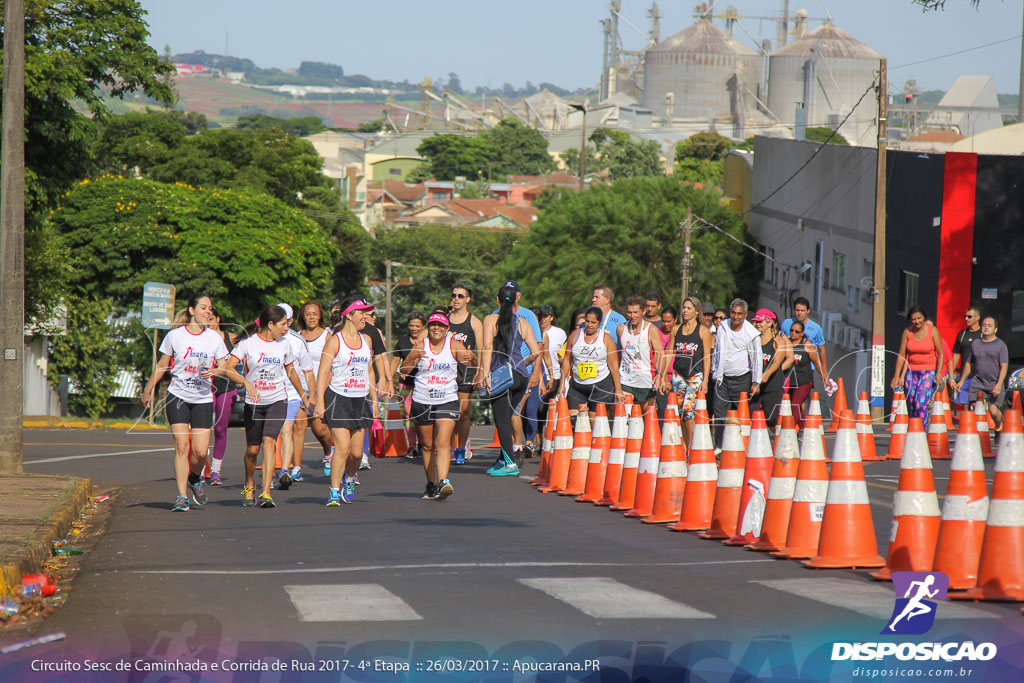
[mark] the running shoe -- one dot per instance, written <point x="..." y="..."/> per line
<point x="296" y="473"/>
<point x="283" y="480"/>
<point x="334" y="499"/>
<point x="364" y="464"/>
<point x="215" y="479"/>
<point x="469" y="452"/>
<point x="248" y="497"/>
<point x="460" y="456"/>
<point x="198" y="493"/>
<point x="266" y="501"/>
<point x="348" y="489"/>
<point x="527" y="450"/>
<point x="413" y="452"/>
<point x="429" y="492"/>
<point x="326" y="462"/>
<point x="508" y="470"/>
<point x="499" y="464"/>
<point x="180" y="504"/>
<point x="446" y="489"/>
<point x="355" y="478"/>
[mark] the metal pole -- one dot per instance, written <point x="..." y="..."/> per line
<point x="387" y="302"/>
<point x="152" y="395"/>
<point x="687" y="227"/>
<point x="12" y="241"/>
<point x="878" y="310"/>
<point x="583" y="148"/>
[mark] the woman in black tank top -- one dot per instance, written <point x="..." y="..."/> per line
<point x="777" y="356"/>
<point x="801" y="381"/>
<point x="691" y="362"/>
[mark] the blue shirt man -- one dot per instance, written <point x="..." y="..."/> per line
<point x="602" y="298"/>
<point x="527" y="315"/>
<point x="812" y="330"/>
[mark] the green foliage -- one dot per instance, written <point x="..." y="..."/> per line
<point x="595" y="163"/>
<point x="212" y="61"/>
<point x="87" y="353"/>
<point x="244" y="248"/>
<point x="517" y="149"/>
<point x="618" y="153"/>
<point x="137" y="140"/>
<point x="747" y="145"/>
<point x="299" y="127"/>
<point x="821" y="134"/>
<point x="321" y="70"/>
<point x="706" y="171"/>
<point x="627" y="235"/>
<point x="450" y="156"/>
<point x="704" y="145"/>
<point x="345" y="232"/>
<point x="510" y="148"/>
<point x="441" y="247"/>
<point x="375" y="126"/>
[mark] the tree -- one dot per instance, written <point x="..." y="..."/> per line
<point x="510" y="148"/>
<point x="517" y="149"/>
<point x="298" y="126"/>
<point x="938" y="4"/>
<point x="78" y="52"/>
<point x="632" y="159"/>
<point x="450" y="156"/>
<point x="821" y="134"/>
<point x="699" y="158"/>
<point x="626" y="234"/>
<point x="454" y="84"/>
<point x="87" y="354"/>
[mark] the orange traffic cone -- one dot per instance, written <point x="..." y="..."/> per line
<point x="672" y="471"/>
<point x="981" y="418"/>
<point x="631" y="462"/>
<point x="915" y="510"/>
<point x="743" y="413"/>
<point x="548" y="445"/>
<point x="561" y="453"/>
<point x="779" y="502"/>
<point x="395" y="443"/>
<point x="809" y="495"/>
<point x="616" y="457"/>
<point x="938" y="435"/>
<point x="582" y="439"/>
<point x="495" y="442"/>
<point x="756" y="473"/>
<point x="730" y="482"/>
<point x="847" y="530"/>
<point x="964" y="510"/>
<point x="865" y="430"/>
<point x="1001" y="569"/>
<point x="947" y="407"/>
<point x="900" y="427"/>
<point x="815" y="412"/>
<point x="785" y="408"/>
<point x="898" y="399"/>
<point x="838" y="406"/>
<point x="647" y="469"/>
<point x="701" y="478"/>
<point x="597" y="465"/>
<point x="1016" y="402"/>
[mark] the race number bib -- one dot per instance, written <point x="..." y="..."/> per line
<point x="586" y="370"/>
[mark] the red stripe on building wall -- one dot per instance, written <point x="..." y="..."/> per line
<point x="957" y="242"/>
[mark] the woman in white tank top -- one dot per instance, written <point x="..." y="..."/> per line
<point x="435" y="400"/>
<point x="587" y="376"/>
<point x="312" y="327"/>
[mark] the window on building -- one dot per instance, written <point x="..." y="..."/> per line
<point x="768" y="257"/>
<point x="839" y="271"/>
<point x="395" y="171"/>
<point x="908" y="291"/>
<point x="439" y="196"/>
<point x="853" y="299"/>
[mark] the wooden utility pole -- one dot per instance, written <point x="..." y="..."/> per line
<point x="389" y="286"/>
<point x="12" y="241"/>
<point x="878" y="284"/>
<point x="686" y="227"/>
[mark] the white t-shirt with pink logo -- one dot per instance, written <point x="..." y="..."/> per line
<point x="266" y="366"/>
<point x="191" y="355"/>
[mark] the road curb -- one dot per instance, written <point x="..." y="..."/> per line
<point x="57" y="526"/>
<point x="81" y="424"/>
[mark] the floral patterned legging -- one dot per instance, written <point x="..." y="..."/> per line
<point x="920" y="386"/>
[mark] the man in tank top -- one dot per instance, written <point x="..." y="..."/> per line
<point x="640" y="353"/>
<point x="466" y="328"/>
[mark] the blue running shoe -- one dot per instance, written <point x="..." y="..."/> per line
<point x="509" y="470"/>
<point x="445" y="489"/>
<point x="296" y="473"/>
<point x="180" y="504"/>
<point x="283" y="480"/>
<point x="348" y="489"/>
<point x="460" y="456"/>
<point x="499" y="464"/>
<point x="334" y="499"/>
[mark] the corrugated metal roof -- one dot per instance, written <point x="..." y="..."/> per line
<point x="703" y="38"/>
<point x="831" y="41"/>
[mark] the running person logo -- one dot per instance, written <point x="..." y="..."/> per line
<point x="914" y="612"/>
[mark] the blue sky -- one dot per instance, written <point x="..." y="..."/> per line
<point x="559" y="41"/>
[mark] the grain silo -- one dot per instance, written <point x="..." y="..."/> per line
<point x="701" y="72"/>
<point x="827" y="70"/>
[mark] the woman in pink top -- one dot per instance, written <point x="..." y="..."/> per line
<point x="920" y="358"/>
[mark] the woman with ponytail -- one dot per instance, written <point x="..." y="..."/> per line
<point x="189" y="353"/>
<point x="501" y="355"/>
<point x="268" y="365"/>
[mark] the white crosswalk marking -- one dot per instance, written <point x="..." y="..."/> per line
<point x="604" y="598"/>
<point x="349" y="602"/>
<point x="870" y="599"/>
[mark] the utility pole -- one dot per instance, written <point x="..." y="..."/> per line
<point x="878" y="310"/>
<point x="389" y="286"/>
<point x="583" y="142"/>
<point x="12" y="241"/>
<point x="686" y="227"/>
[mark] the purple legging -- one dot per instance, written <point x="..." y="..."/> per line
<point x="222" y="415"/>
<point x="797" y="396"/>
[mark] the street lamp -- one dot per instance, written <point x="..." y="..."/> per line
<point x="583" y="142"/>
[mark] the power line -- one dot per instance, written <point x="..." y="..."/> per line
<point x="958" y="52"/>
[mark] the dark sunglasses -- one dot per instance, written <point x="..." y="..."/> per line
<point x="719" y="317"/>
<point x="458" y="296"/>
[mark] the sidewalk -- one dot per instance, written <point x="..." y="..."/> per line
<point x="37" y="510"/>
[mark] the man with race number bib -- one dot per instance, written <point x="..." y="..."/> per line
<point x="587" y="375"/>
<point x="466" y="328"/>
<point x="435" y="400"/>
<point x="640" y="353"/>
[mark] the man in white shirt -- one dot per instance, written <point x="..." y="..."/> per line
<point x="737" y="364"/>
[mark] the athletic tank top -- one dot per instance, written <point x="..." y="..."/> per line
<point x="768" y="355"/>
<point x="589" y="361"/>
<point x="921" y="352"/>
<point x="350" y="369"/>
<point x="635" y="366"/>
<point x="315" y="349"/>
<point x="689" y="353"/>
<point x="801" y="371"/>
<point x="304" y="362"/>
<point x="436" y="375"/>
<point x="463" y="332"/>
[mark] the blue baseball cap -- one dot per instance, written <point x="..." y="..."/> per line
<point x="513" y="284"/>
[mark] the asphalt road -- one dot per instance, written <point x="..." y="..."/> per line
<point x="498" y="572"/>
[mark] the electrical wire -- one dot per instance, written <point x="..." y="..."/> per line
<point x="958" y="52"/>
